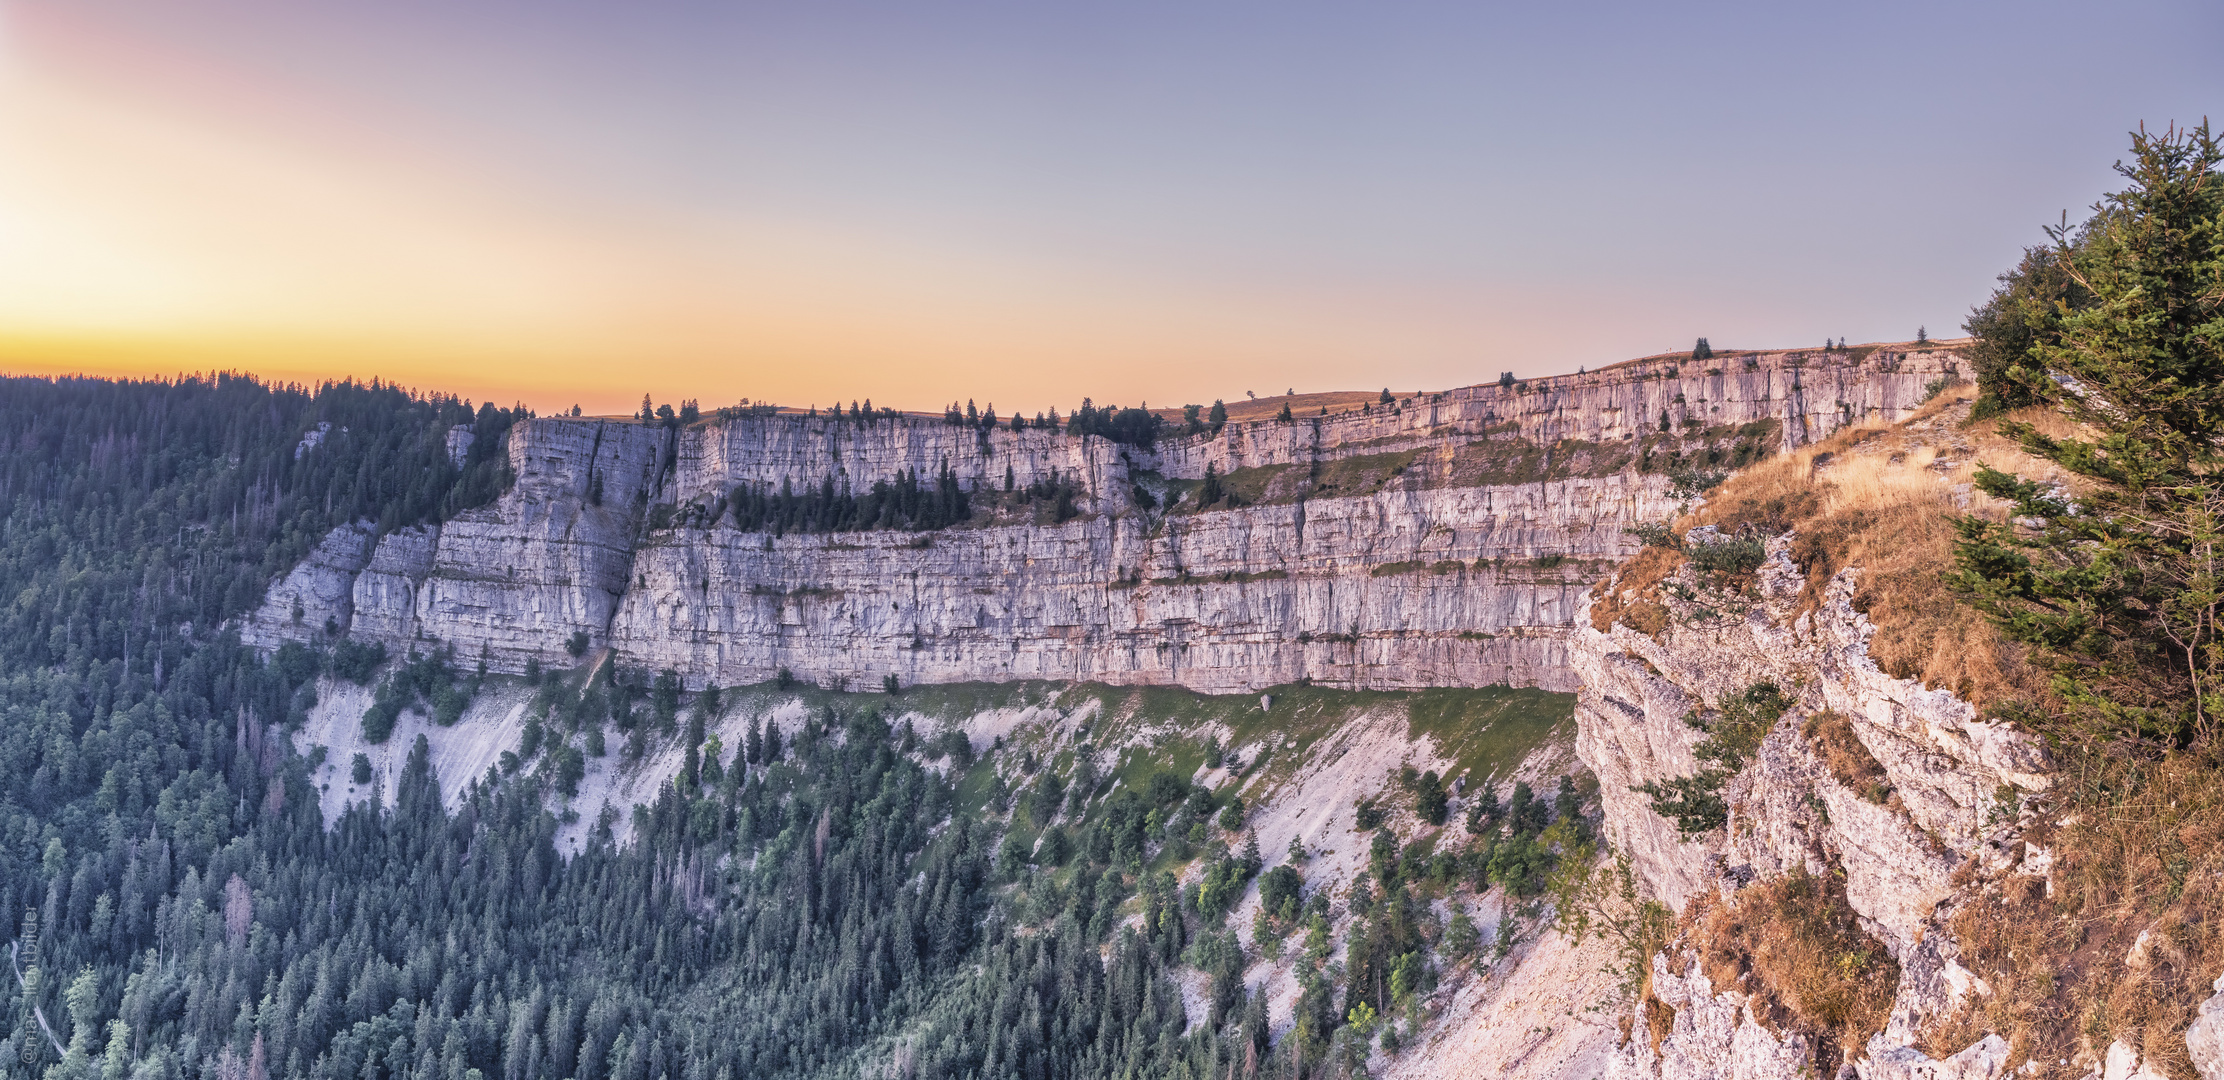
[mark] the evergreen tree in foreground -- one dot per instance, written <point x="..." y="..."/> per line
<point x="2119" y="590"/>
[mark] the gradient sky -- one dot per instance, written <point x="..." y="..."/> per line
<point x="567" y="202"/>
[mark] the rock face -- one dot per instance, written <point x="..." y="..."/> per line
<point x="1395" y="548"/>
<point x="1713" y="1035"/>
<point x="2205" y="1038"/>
<point x="1944" y="765"/>
<point x="1949" y="773"/>
<point x="324" y="583"/>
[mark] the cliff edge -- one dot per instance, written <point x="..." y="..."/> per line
<point x="1441" y="540"/>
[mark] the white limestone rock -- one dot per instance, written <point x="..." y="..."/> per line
<point x="1714" y="1036"/>
<point x="1411" y="585"/>
<point x="2205" y="1038"/>
<point x="1786" y="809"/>
<point x="314" y="596"/>
<point x="1985" y="1059"/>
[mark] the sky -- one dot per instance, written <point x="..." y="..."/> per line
<point x="561" y="202"/>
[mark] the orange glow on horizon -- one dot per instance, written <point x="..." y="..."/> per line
<point x="158" y="218"/>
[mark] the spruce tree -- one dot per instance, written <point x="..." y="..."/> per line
<point x="1702" y="351"/>
<point x="2118" y="591"/>
<point x="2026" y="310"/>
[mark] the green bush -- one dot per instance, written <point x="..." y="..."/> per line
<point x="1727" y="557"/>
<point x="356" y="661"/>
<point x="1695" y="802"/>
<point x="1278" y="892"/>
<point x="1687" y="482"/>
<point x="1429" y="799"/>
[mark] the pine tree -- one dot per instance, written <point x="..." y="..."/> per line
<point x="1702" y="351"/>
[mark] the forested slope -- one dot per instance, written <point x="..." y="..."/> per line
<point x="843" y="894"/>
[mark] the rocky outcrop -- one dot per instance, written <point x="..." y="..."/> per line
<point x="1944" y="766"/>
<point x="2205" y="1038"/>
<point x="1713" y="1034"/>
<point x="1225" y="601"/>
<point x="1440" y="541"/>
<point x="1951" y="778"/>
<point x="323" y="584"/>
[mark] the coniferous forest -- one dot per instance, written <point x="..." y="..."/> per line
<point x="828" y="907"/>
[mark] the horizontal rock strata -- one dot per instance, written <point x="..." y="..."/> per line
<point x="1395" y="548"/>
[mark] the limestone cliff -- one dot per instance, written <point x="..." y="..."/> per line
<point x="1438" y="541"/>
<point x="1901" y="801"/>
<point x="1953" y="781"/>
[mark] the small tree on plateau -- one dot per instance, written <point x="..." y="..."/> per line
<point x="1387" y="399"/>
<point x="2120" y="592"/>
<point x="1284" y="416"/>
<point x="1702" y="351"/>
<point x="1505" y="382"/>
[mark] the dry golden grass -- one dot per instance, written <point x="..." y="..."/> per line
<point x="2139" y="850"/>
<point x="1883" y="499"/>
<point x="2138" y="843"/>
<point x="1794" y="945"/>
<point x="1641" y="577"/>
<point x="1848" y="760"/>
